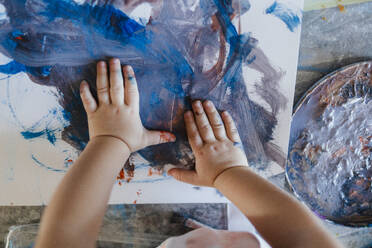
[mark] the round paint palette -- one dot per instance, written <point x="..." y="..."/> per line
<point x="329" y="163"/>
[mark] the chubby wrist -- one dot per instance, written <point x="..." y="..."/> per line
<point x="227" y="174"/>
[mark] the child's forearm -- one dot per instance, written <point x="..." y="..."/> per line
<point x="279" y="218"/>
<point x="75" y="213"/>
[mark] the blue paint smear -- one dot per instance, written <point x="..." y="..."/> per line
<point x="154" y="99"/>
<point x="286" y="14"/>
<point x="48" y="134"/>
<point x="14" y="67"/>
<point x="59" y="41"/>
<point x="176" y="89"/>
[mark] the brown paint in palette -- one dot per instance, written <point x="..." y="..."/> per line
<point x="330" y="161"/>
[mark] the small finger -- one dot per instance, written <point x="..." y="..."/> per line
<point x="194" y="224"/>
<point x="192" y="131"/>
<point x="215" y="120"/>
<point x="131" y="88"/>
<point x="90" y="104"/>
<point x="202" y="122"/>
<point x="102" y="83"/>
<point x="116" y="83"/>
<point x="159" y="137"/>
<point x="184" y="175"/>
<point x="231" y="130"/>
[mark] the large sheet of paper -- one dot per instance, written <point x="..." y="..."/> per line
<point x="240" y="54"/>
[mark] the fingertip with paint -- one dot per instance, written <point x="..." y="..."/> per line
<point x="188" y="114"/>
<point x="129" y="70"/>
<point x="83" y="85"/>
<point x="102" y="63"/>
<point x="115" y="61"/>
<point x="208" y="103"/>
<point x="130" y="74"/>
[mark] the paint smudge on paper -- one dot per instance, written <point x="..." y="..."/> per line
<point x="181" y="54"/>
<point x="288" y="15"/>
<point x="48" y="134"/>
<point x="341" y="7"/>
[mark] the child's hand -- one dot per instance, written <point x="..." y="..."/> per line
<point x="117" y="112"/>
<point x="216" y="145"/>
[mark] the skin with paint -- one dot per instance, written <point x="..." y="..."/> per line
<point x="75" y="213"/>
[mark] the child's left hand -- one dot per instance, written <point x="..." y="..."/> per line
<point x="117" y="112"/>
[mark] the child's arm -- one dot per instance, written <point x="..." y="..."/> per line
<point x="75" y="213"/>
<point x="221" y="163"/>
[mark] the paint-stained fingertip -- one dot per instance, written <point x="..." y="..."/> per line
<point x="128" y="69"/>
<point x="208" y="103"/>
<point x="197" y="103"/>
<point x="101" y="64"/>
<point x="83" y="85"/>
<point x="115" y="61"/>
<point x="188" y="114"/>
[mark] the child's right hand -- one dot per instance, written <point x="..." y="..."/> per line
<point x="216" y="145"/>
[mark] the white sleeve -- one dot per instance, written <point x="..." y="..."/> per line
<point x="238" y="222"/>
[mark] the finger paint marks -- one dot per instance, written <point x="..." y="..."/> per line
<point x="169" y="68"/>
<point x="291" y="18"/>
<point x="132" y="80"/>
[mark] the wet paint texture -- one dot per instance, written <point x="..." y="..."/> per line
<point x="286" y="14"/>
<point x="330" y="152"/>
<point x="184" y="53"/>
